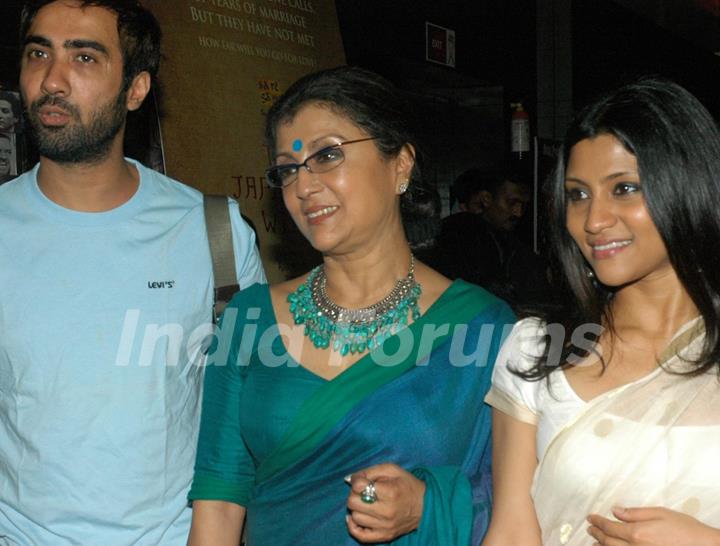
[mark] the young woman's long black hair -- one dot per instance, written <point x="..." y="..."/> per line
<point x="677" y="146"/>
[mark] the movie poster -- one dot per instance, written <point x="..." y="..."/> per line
<point x="10" y="134"/>
<point x="225" y="62"/>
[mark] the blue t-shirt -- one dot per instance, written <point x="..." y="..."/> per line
<point x="103" y="317"/>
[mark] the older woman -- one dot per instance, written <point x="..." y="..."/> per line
<point x="353" y="412"/>
<point x="607" y="417"/>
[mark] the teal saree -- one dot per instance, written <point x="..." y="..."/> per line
<point x="279" y="441"/>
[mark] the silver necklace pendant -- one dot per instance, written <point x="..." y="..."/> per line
<point x="338" y="314"/>
<point x="353" y="331"/>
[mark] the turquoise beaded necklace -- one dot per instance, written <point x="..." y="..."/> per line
<point x="353" y="330"/>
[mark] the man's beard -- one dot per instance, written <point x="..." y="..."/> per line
<point x="76" y="142"/>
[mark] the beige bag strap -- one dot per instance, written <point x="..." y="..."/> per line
<point x="219" y="231"/>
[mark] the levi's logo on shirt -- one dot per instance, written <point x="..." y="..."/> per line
<point x="161" y="284"/>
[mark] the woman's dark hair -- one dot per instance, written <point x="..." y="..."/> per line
<point x="139" y="32"/>
<point x="677" y="146"/>
<point x="367" y="99"/>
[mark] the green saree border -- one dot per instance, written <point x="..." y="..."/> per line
<point x="460" y="302"/>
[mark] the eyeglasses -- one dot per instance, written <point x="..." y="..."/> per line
<point x="321" y="161"/>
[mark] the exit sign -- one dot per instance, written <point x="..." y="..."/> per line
<point x="439" y="45"/>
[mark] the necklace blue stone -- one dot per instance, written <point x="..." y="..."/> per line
<point x="328" y="325"/>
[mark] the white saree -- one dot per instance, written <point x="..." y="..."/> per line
<point x="654" y="442"/>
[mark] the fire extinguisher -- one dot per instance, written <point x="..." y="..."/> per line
<point x="519" y="131"/>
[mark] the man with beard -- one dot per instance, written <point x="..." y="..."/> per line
<point x="106" y="292"/>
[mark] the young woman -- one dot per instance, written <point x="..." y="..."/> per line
<point x="607" y="418"/>
<point x="351" y="373"/>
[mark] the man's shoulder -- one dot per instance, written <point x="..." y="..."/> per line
<point x="461" y="220"/>
<point x="460" y="217"/>
<point x="465" y="226"/>
<point x="160" y="183"/>
<point x="14" y="181"/>
<point x="14" y="188"/>
<point x="163" y="187"/>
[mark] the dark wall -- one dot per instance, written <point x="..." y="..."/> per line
<point x="465" y="110"/>
<point x="9" y="19"/>
<point x="495" y="40"/>
<point x="612" y="43"/>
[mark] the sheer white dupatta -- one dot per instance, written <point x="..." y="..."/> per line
<point x="653" y="442"/>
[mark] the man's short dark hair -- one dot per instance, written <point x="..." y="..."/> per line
<point x="139" y="32"/>
<point x="466" y="185"/>
<point x="473" y="181"/>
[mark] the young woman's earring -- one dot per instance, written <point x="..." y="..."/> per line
<point x="402" y="188"/>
